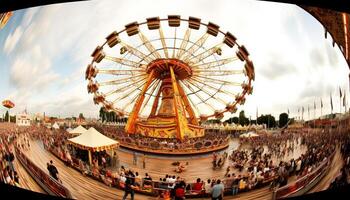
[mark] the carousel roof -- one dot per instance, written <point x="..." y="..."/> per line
<point x="94" y="141"/>
<point x="78" y="130"/>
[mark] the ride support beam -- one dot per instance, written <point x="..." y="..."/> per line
<point x="187" y="106"/>
<point x="181" y="120"/>
<point x="131" y="124"/>
<point x="155" y="104"/>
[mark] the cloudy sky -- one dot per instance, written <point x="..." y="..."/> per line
<point x="44" y="52"/>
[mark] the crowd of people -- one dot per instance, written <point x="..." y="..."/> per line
<point x="343" y="177"/>
<point x="250" y="168"/>
<point x="8" y="172"/>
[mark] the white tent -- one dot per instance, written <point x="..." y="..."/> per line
<point x="77" y="131"/>
<point x="92" y="140"/>
<point x="55" y="126"/>
<point x="249" y="134"/>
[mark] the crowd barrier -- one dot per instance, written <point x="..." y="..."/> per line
<point x="48" y="183"/>
<point x="305" y="183"/>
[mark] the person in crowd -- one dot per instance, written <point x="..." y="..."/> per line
<point x="208" y="187"/>
<point x="137" y="179"/>
<point x="134" y="158"/>
<point x="129" y="186"/>
<point x="217" y="191"/>
<point x="147" y="181"/>
<point x="197" y="186"/>
<point x="54" y="171"/>
<point x="144" y="161"/>
<point x="180" y="191"/>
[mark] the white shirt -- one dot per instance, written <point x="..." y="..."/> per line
<point x="298" y="165"/>
<point x="207" y="188"/>
<point x="122" y="179"/>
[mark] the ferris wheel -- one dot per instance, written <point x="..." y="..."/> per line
<point x="147" y="68"/>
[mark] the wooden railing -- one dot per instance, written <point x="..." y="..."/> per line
<point x="305" y="183"/>
<point x="48" y="183"/>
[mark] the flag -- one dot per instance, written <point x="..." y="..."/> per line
<point x="344" y="100"/>
<point x="314" y="105"/>
<point x="321" y="103"/>
<point x="257" y="114"/>
<point x="331" y="103"/>
<point x="340" y="94"/>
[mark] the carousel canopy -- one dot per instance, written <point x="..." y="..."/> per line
<point x="93" y="140"/>
<point x="77" y="131"/>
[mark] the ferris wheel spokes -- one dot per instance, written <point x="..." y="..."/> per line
<point x="216" y="81"/>
<point x="184" y="44"/>
<point x="126" y="87"/>
<point x="210" y="95"/>
<point x="120" y="81"/>
<point x="198" y="58"/>
<point x="218" y="72"/>
<point x="198" y="96"/>
<point x="165" y="48"/>
<point x="149" y="46"/>
<point x="217" y="89"/>
<point x="126" y="62"/>
<point x="216" y="63"/>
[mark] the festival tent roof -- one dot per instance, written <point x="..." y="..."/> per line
<point x="250" y="134"/>
<point x="55" y="126"/>
<point x="93" y="140"/>
<point x="77" y="131"/>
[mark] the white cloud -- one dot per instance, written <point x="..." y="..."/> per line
<point x="12" y="40"/>
<point x="28" y="16"/>
<point x="32" y="73"/>
<point x="281" y="44"/>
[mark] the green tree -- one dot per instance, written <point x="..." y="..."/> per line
<point x="6" y="119"/>
<point x="283" y="119"/>
<point x="81" y="116"/>
<point x="232" y="120"/>
<point x="13" y="119"/>
<point x="102" y="114"/>
<point x="213" y="121"/>
<point x="242" y="119"/>
<point x="269" y="120"/>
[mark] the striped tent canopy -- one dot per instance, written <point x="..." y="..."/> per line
<point x="93" y="140"/>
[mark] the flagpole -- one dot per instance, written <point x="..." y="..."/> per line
<point x="321" y="107"/>
<point x="340" y="96"/>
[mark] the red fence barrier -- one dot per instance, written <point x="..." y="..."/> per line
<point x="49" y="184"/>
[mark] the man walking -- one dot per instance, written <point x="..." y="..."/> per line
<point x="134" y="158"/>
<point x="129" y="185"/>
<point x="144" y="161"/>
